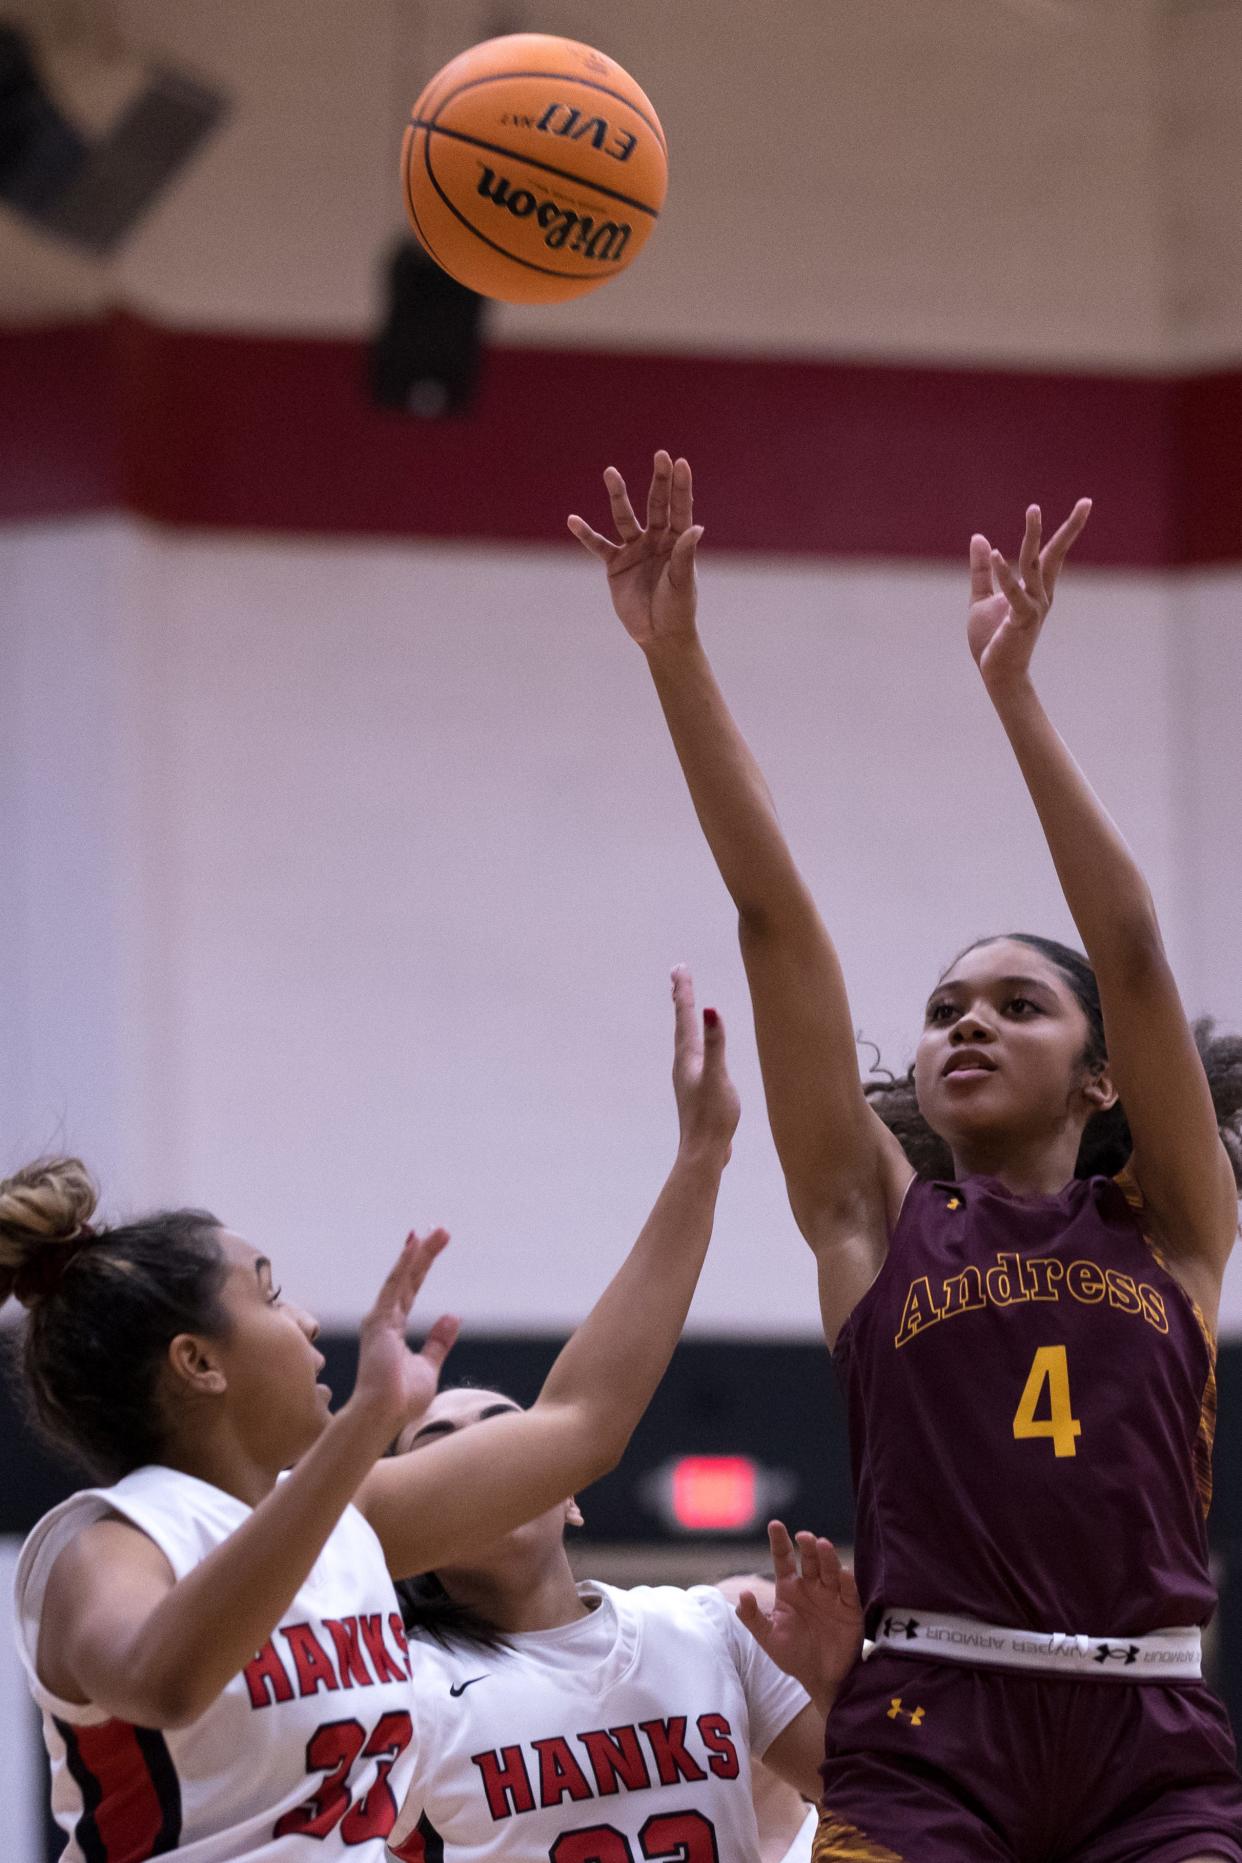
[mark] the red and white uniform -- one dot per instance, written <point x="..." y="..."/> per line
<point x="306" y="1753"/>
<point x="624" y="1737"/>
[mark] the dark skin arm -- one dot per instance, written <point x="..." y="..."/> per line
<point x="845" y="1172"/>
<point x="1179" y="1161"/>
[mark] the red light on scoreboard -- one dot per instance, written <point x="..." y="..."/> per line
<point x="715" y="1493"/>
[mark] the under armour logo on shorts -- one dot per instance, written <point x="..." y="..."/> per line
<point x="1124" y="1652"/>
<point x="913" y="1715"/>
<point x="907" y="1627"/>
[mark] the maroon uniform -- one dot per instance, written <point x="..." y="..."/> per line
<point x="1031" y="1399"/>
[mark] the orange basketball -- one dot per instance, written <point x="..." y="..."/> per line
<point x="534" y="168"/>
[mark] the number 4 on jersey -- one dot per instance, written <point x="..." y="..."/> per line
<point x="1048" y="1367"/>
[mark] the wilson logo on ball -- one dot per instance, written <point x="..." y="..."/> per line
<point x="603" y="241"/>
<point x="534" y="168"/>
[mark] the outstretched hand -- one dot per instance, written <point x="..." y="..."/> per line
<point x="650" y="571"/>
<point x="814" y="1628"/>
<point x="397" y="1381"/>
<point x="708" y="1108"/>
<point x="1007" y="611"/>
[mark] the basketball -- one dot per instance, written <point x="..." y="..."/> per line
<point x="534" y="168"/>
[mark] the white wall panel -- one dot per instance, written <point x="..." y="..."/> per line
<point x="60" y="657"/>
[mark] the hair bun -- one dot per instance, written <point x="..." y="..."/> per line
<point x="45" y="1212"/>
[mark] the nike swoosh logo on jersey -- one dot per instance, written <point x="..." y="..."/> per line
<point x="459" y="1688"/>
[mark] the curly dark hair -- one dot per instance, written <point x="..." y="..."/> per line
<point x="1106" y="1142"/>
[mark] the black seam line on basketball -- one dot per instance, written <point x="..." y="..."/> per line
<point x="413" y="210"/>
<point x="546" y="271"/>
<point x="528" y="161"/>
<point x="559" y="77"/>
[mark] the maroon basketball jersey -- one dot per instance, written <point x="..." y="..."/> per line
<point x="1031" y="1400"/>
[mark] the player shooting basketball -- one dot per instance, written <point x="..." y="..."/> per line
<point x="1021" y="1297"/>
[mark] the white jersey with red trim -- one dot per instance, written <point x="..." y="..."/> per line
<point x="624" y="1737"/>
<point x="304" y="1755"/>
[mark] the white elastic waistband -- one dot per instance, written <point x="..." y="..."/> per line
<point x="1164" y="1656"/>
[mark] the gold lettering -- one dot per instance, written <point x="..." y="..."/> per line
<point x="1122" y="1292"/>
<point x="919" y="1312"/>
<point x="1040" y="1274"/>
<point x="963" y="1293"/>
<point x="1085" y="1282"/>
<point x="1153" y="1308"/>
<point x="1004" y="1282"/>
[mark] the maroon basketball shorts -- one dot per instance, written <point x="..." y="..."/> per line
<point x="940" y="1763"/>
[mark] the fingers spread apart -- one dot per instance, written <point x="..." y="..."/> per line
<point x="1037" y="569"/>
<point x="670" y="507"/>
<point x="811" y="1558"/>
<point x="408" y="1272"/>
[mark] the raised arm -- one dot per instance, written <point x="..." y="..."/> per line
<point x="120" y="1631"/>
<point x="845" y="1172"/>
<point x="428" y="1508"/>
<point x="1179" y="1161"/>
<point x="809" y="1621"/>
<point x="157" y="1651"/>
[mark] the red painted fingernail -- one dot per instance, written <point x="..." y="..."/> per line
<point x="710" y="1018"/>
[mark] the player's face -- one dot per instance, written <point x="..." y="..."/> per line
<point x="1001" y="1053"/>
<point x="463" y="1408"/>
<point x="269" y="1359"/>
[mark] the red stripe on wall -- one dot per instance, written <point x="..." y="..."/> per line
<point x="271" y="433"/>
<point x="1208" y="435"/>
<point x="59" y="439"/>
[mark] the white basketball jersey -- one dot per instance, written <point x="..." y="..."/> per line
<point x="800" y="1849"/>
<point x="624" y="1737"/>
<point x="306" y="1753"/>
